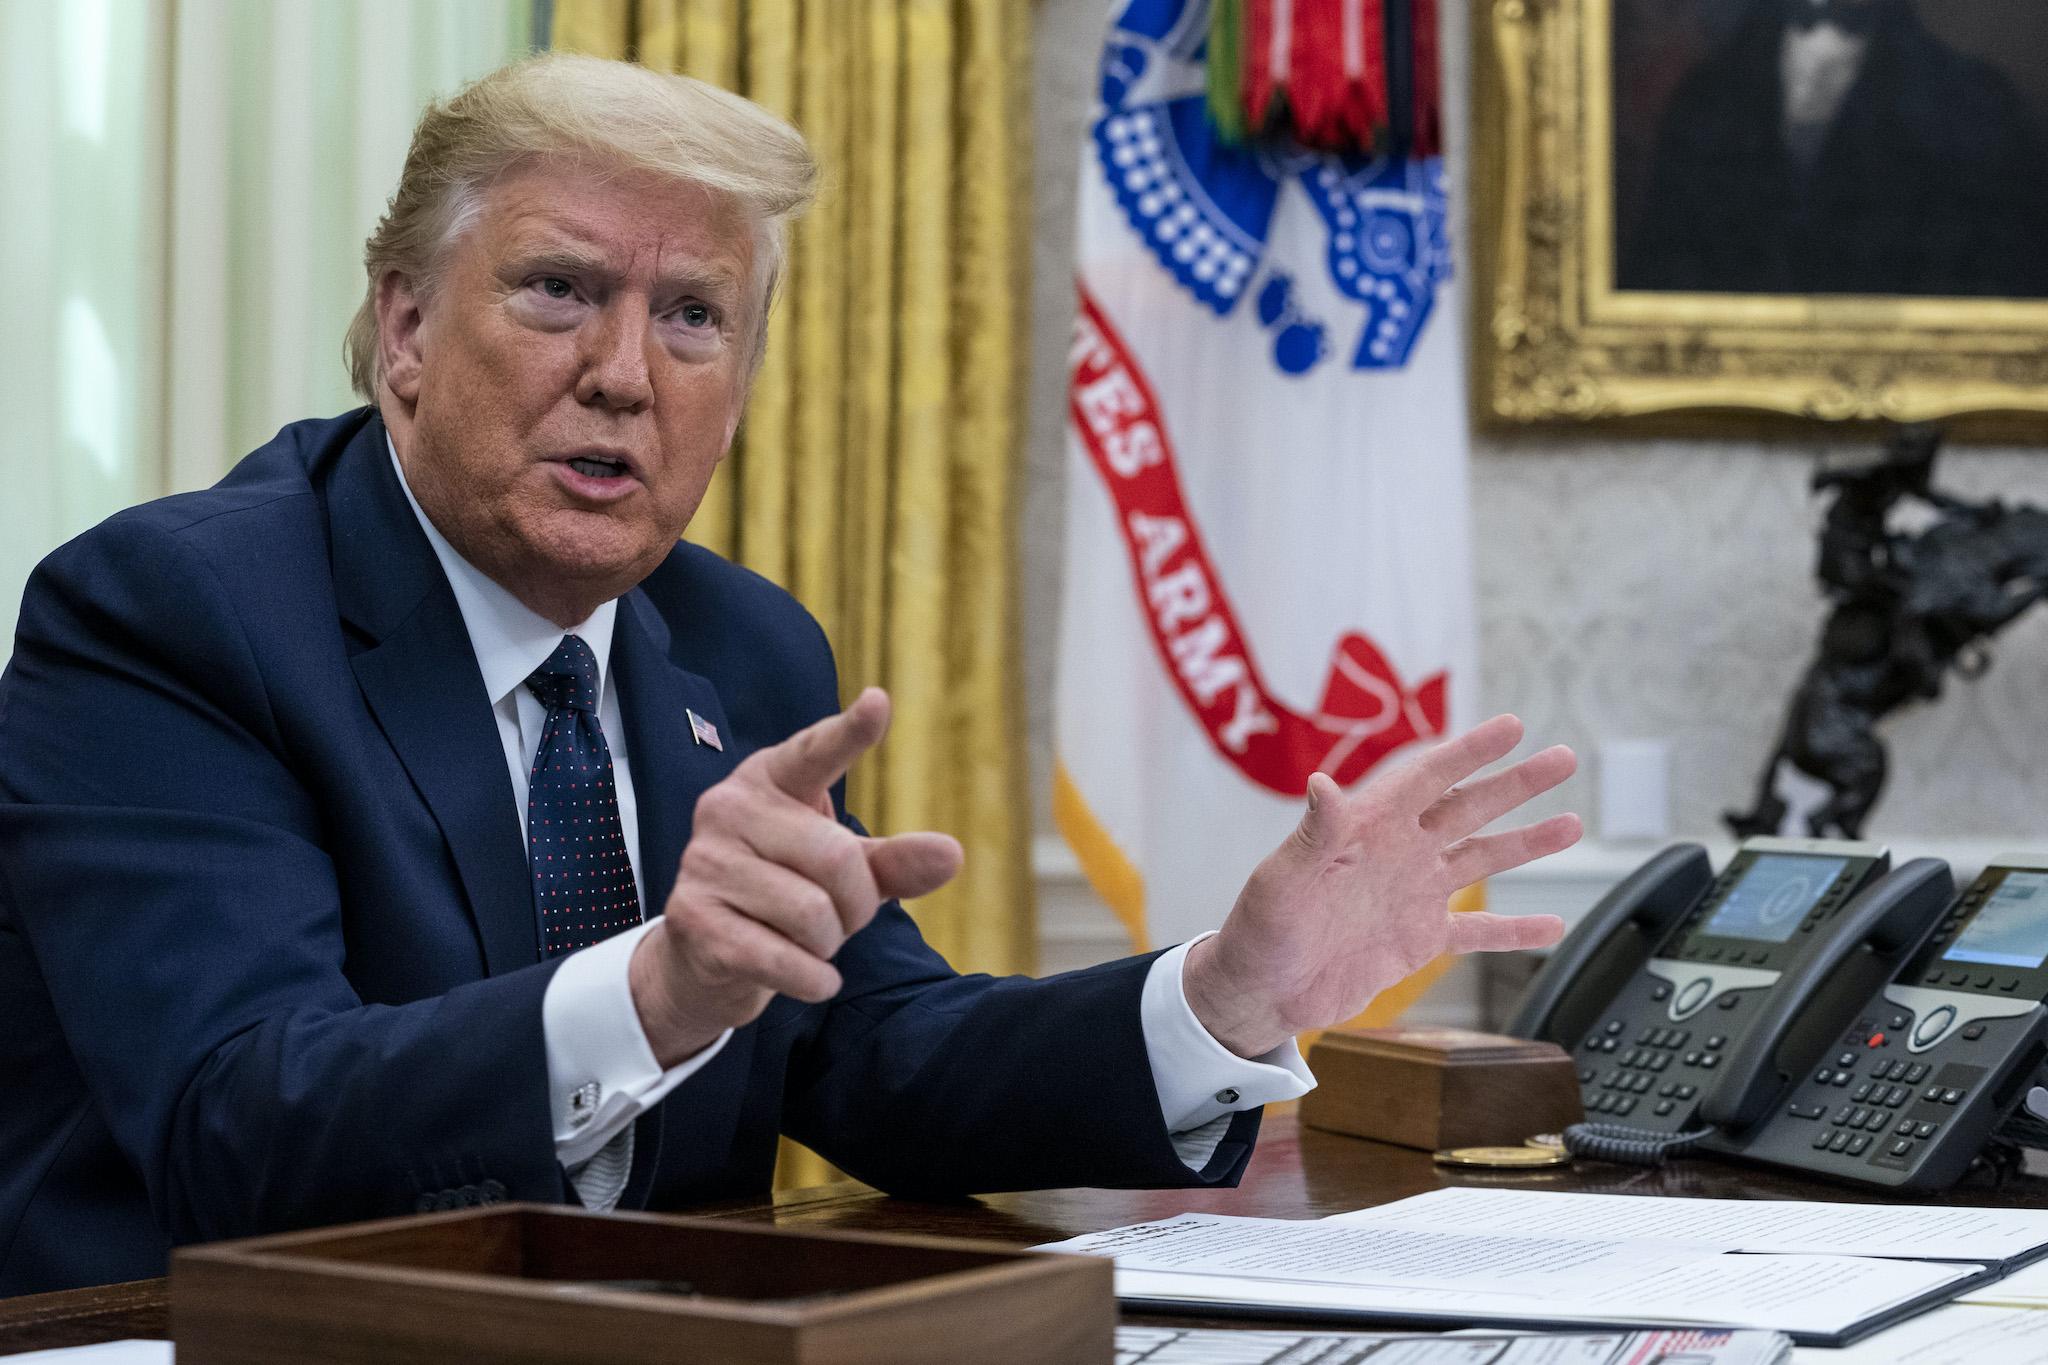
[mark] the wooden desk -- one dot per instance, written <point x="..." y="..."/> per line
<point x="1295" y="1173"/>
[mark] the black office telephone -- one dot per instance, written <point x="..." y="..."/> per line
<point x="1687" y="999"/>
<point x="1907" y="1088"/>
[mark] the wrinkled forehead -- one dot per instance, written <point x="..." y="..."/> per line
<point x="629" y="226"/>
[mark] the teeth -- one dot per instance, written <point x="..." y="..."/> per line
<point x="596" y="469"/>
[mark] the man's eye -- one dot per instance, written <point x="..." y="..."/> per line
<point x="696" y="315"/>
<point x="555" y="287"/>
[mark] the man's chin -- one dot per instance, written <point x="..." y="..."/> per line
<point x="597" y="557"/>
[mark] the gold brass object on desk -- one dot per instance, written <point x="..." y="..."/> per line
<point x="1438" y="1088"/>
<point x="541" y="1285"/>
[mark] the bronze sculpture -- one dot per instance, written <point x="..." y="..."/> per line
<point x="1907" y="607"/>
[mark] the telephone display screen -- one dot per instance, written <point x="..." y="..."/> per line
<point x="1773" y="896"/>
<point x="2012" y="928"/>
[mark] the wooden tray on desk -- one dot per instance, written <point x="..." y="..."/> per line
<point x="527" y="1284"/>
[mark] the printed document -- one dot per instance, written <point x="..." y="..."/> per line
<point x="1167" y="1346"/>
<point x="1451" y="1276"/>
<point x="1960" y="1334"/>
<point x="106" y="1353"/>
<point x="1919" y="1232"/>
<point x="2027" y="1288"/>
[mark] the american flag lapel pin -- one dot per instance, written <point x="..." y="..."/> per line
<point x="703" y="731"/>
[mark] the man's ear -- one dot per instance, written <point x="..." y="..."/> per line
<point x="398" y="335"/>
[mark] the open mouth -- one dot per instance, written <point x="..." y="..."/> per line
<point x="591" y="467"/>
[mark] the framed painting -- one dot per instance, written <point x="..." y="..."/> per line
<point x="1693" y="214"/>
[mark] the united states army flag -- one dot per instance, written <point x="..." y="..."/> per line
<point x="1267" y="561"/>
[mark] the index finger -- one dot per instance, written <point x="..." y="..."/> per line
<point x="1422" y="782"/>
<point x="807" y="763"/>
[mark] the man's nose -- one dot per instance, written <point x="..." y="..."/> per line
<point x="614" y="372"/>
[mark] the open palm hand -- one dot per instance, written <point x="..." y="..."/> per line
<point x="1357" y="898"/>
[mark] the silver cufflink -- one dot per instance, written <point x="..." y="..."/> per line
<point x="1226" y="1097"/>
<point x="583" y="1103"/>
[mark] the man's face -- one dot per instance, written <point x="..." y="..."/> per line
<point x="561" y="401"/>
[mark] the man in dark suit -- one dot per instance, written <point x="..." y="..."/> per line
<point x="332" y="798"/>
<point x="1838" y="147"/>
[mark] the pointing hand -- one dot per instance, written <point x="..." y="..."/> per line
<point x="771" y="884"/>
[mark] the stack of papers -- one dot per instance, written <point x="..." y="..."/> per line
<point x="1164" y="1346"/>
<point x="1825" y="1274"/>
<point x="1960" y="1334"/>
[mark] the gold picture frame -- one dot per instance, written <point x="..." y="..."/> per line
<point x="1556" y="343"/>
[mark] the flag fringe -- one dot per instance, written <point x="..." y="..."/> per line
<point x="1115" y="877"/>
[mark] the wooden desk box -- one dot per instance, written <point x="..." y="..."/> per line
<point x="1439" y="1087"/>
<point x="521" y="1284"/>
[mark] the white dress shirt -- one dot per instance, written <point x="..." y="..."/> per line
<point x="1818" y="65"/>
<point x="602" y="1072"/>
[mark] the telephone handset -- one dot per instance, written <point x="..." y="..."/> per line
<point x="1660" y="994"/>
<point x="1588" y="969"/>
<point x="1904" y="1089"/>
<point x="1816" y="997"/>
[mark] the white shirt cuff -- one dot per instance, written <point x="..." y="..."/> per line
<point x="1198" y="1079"/>
<point x="602" y="1074"/>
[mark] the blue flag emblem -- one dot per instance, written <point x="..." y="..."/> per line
<point x="1204" y="209"/>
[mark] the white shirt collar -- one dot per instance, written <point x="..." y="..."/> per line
<point x="511" y="639"/>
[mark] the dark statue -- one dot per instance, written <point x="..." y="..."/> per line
<point x="1906" y="609"/>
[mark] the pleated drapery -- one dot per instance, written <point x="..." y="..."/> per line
<point x="190" y="183"/>
<point x="875" y="473"/>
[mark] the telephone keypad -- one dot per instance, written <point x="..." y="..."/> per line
<point x="1638" y="1070"/>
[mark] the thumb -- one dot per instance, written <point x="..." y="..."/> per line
<point x="1318" y="828"/>
<point x="910" y="865"/>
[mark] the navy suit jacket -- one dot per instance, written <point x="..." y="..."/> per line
<point x="268" y="949"/>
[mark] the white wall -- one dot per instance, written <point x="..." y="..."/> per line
<point x="1627" y="590"/>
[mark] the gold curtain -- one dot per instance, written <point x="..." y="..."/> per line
<point x="874" y="476"/>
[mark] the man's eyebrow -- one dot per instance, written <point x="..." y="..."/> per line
<point x="559" y="255"/>
<point x="571" y="257"/>
<point x="705" y="278"/>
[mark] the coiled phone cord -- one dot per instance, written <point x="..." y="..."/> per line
<point x="2024" y="1128"/>
<point x="1629" y="1146"/>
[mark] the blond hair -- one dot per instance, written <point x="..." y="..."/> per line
<point x="561" y="104"/>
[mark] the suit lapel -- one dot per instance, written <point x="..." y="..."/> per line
<point x="420" y="678"/>
<point x="671" y="769"/>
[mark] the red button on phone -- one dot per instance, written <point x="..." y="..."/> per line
<point x="1874" y="1040"/>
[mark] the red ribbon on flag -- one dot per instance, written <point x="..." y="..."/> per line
<point x="1328" y="73"/>
<point x="1366" y="711"/>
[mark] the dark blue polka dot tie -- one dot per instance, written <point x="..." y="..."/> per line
<point x="581" y="874"/>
